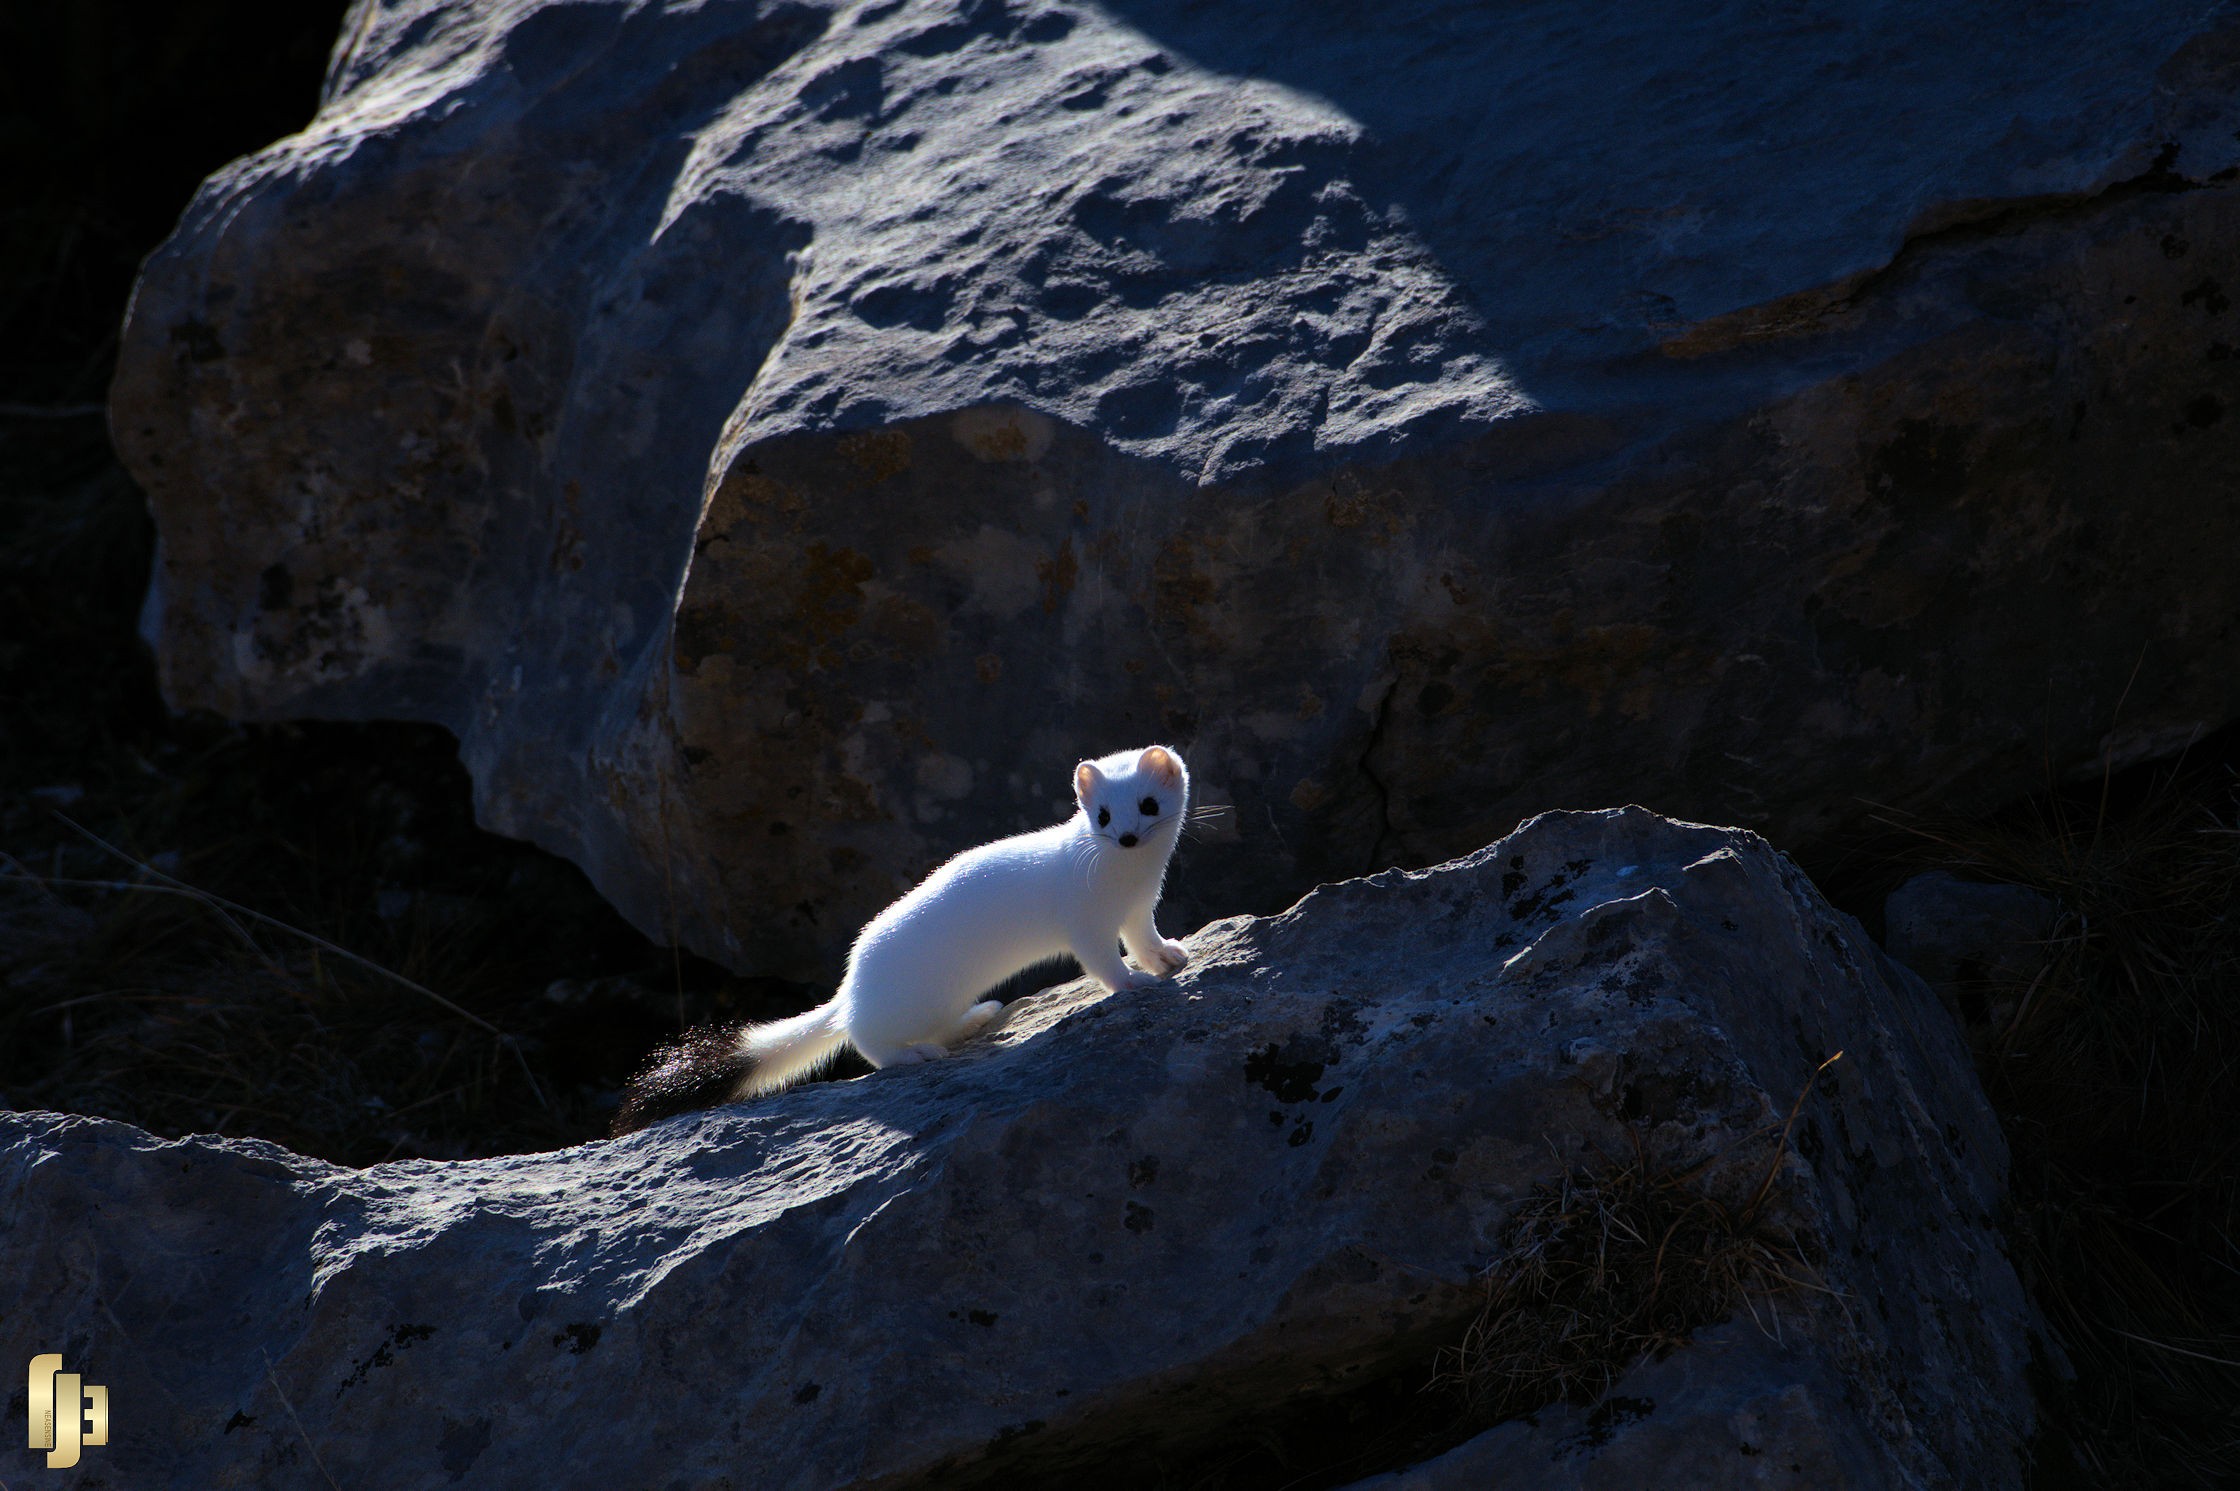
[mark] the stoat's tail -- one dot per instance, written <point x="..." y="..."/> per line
<point x="785" y="1051"/>
<point x="723" y="1063"/>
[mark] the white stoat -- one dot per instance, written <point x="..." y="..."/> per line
<point x="920" y="969"/>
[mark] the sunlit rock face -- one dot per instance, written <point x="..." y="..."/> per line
<point x="1221" y="1227"/>
<point x="780" y="439"/>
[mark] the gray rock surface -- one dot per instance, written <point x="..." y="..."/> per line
<point x="1120" y="1236"/>
<point x="1737" y="1411"/>
<point x="779" y="440"/>
<point x="1953" y="931"/>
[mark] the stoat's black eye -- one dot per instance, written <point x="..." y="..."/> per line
<point x="1149" y="807"/>
<point x="1104" y="816"/>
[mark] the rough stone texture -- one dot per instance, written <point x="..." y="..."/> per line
<point x="1953" y="931"/>
<point x="1735" y="1412"/>
<point x="779" y="439"/>
<point x="1123" y="1232"/>
<point x="1979" y="945"/>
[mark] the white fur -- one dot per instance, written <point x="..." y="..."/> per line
<point x="918" y="970"/>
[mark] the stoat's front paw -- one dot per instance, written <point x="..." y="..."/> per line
<point x="1172" y="956"/>
<point x="1138" y="979"/>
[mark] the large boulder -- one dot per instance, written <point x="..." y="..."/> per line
<point x="1130" y="1233"/>
<point x="780" y="439"/>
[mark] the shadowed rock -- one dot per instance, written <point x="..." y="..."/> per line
<point x="1126" y="1231"/>
<point x="1955" y="932"/>
<point x="779" y="440"/>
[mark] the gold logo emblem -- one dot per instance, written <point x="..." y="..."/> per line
<point x="83" y="1416"/>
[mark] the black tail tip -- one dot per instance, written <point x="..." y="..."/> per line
<point x="701" y="1070"/>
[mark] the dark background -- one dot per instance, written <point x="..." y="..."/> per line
<point x="129" y="990"/>
<point x="114" y="114"/>
<point x="147" y="1004"/>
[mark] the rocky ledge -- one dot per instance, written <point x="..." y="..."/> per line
<point x="1151" y="1234"/>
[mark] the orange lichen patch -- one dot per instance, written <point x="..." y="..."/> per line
<point x="878" y="454"/>
<point x="851" y="801"/>
<point x="828" y="598"/>
<point x="912" y="731"/>
<point x="773" y="605"/>
<point x="1634" y="662"/>
<point x="1310" y="703"/>
<point x="1003" y="443"/>
<point x="1109" y="552"/>
<point x="1351" y="503"/>
<point x="1058" y="576"/>
<point x="1002" y="434"/>
<point x="746" y="495"/>
<point x="1310" y="795"/>
<point x="1179" y="587"/>
<point x="909" y="626"/>
<point x="724" y="512"/>
<point x="700" y="632"/>
<point x="987" y="667"/>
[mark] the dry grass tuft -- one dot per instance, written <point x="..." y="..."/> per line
<point x="2115" y="1068"/>
<point x="1613" y="1263"/>
<point x="419" y="991"/>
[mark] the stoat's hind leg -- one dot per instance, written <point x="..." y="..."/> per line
<point x="972" y="1022"/>
<point x="976" y="1019"/>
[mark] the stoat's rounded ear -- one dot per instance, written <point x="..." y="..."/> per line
<point x="1086" y="780"/>
<point x="1161" y="763"/>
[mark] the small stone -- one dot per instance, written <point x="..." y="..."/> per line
<point x="1953" y="931"/>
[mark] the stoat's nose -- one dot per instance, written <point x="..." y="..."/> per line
<point x="1127" y="841"/>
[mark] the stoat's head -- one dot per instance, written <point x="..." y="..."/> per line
<point x="1134" y="797"/>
